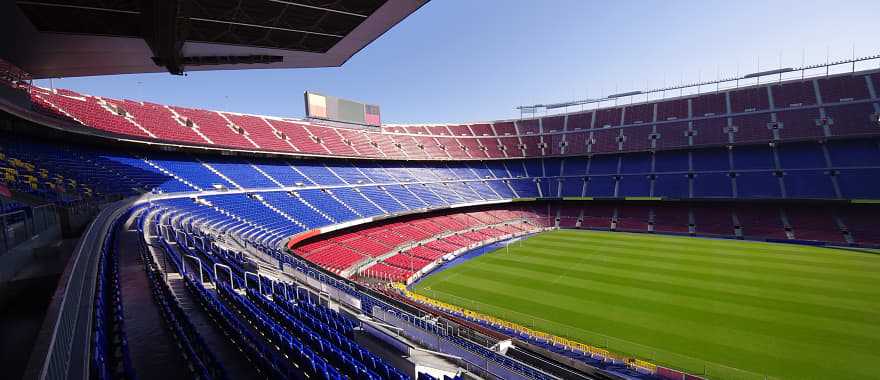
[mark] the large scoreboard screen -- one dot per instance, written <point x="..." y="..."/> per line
<point x="335" y="109"/>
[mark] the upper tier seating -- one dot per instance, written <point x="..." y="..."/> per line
<point x="776" y="112"/>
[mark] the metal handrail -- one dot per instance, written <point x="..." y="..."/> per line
<point x="70" y="346"/>
<point x="532" y="109"/>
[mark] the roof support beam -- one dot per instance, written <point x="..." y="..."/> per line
<point x="318" y="8"/>
<point x="164" y="32"/>
<point x="265" y="27"/>
<point x="42" y="4"/>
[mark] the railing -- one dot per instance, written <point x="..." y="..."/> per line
<point x="68" y="351"/>
<point x="19" y="226"/>
<point x="700" y="87"/>
<point x="310" y="270"/>
<point x="11" y="74"/>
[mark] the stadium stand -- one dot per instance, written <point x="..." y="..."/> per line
<point x="419" y="242"/>
<point x="338" y="208"/>
<point x="796" y="115"/>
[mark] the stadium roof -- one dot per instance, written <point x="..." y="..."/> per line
<point x="64" y="38"/>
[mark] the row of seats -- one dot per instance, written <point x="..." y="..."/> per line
<point x="201" y="359"/>
<point x="754" y="221"/>
<point x="341" y="251"/>
<point x="608" y="364"/>
<point x="10" y="206"/>
<point x="402" y="266"/>
<point x="338" y="354"/>
<point x="185" y="222"/>
<point x="840" y="224"/>
<point x="282" y="355"/>
<point x="843" y="169"/>
<point x="838" y="106"/>
<point x="474" y="352"/>
<point x="835" y="170"/>
<point x="312" y="336"/>
<point x="20" y="172"/>
<point x="110" y="355"/>
<point x="758" y="215"/>
<point x="836" y="89"/>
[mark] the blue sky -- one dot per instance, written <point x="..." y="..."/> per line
<point x="473" y="60"/>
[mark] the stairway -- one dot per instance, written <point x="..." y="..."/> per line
<point x="315" y="209"/>
<point x="172" y="175"/>
<point x="330" y="193"/>
<point x="282" y="213"/>
<point x="220" y="174"/>
<point x="195" y="127"/>
<point x="376" y="205"/>
<point x="109" y="107"/>
<point x="245" y="135"/>
<point x="275" y="181"/>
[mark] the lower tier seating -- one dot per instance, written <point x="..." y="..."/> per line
<point x="402" y="247"/>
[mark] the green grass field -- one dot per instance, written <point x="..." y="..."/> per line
<point x="719" y="307"/>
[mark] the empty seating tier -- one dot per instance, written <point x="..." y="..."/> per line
<point x="810" y="109"/>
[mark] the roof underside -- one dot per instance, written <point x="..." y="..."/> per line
<point x="93" y="37"/>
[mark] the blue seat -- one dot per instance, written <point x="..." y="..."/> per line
<point x="671" y="186"/>
<point x="600" y="186"/>
<point x="801" y="156"/>
<point x="572" y="187"/>
<point x="757" y="185"/>
<point x="859" y="183"/>
<point x="634" y="163"/>
<point x="716" y="159"/>
<point x="671" y="161"/>
<point x="603" y="165"/>
<point x="634" y="186"/>
<point x="808" y="184"/>
<point x="712" y="185"/>
<point x="753" y="157"/>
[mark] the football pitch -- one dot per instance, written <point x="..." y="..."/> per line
<point x="725" y="308"/>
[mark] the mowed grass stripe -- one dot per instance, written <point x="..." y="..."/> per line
<point x="620" y="259"/>
<point x="868" y="317"/>
<point x="710" y="345"/>
<point x="724" y="314"/>
<point x="810" y="306"/>
<point x="861" y="311"/>
<point x="652" y="317"/>
<point x="621" y="292"/>
<point x="646" y="272"/>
